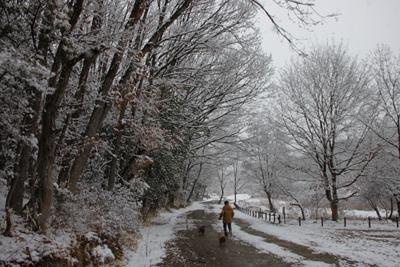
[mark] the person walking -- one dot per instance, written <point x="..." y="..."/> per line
<point x="227" y="215"/>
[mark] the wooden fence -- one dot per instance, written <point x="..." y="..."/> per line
<point x="277" y="218"/>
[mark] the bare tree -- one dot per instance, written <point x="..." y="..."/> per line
<point x="304" y="13"/>
<point x="264" y="154"/>
<point x="222" y="180"/>
<point x="294" y="196"/>
<point x="379" y="186"/>
<point x="321" y="97"/>
<point x="385" y="68"/>
<point x="197" y="176"/>
<point x="239" y="180"/>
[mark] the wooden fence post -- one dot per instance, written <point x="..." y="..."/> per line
<point x="369" y="222"/>
<point x="284" y="215"/>
<point x="299" y="221"/>
<point x="322" y="221"/>
<point x="344" y="221"/>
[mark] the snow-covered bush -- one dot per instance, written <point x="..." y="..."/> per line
<point x="102" y="253"/>
<point x="92" y="227"/>
<point x="97" y="210"/>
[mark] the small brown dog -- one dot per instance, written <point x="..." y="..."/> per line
<point x="222" y="239"/>
<point x="202" y="230"/>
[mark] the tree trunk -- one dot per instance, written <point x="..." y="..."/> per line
<point x="98" y="115"/>
<point x="192" y="190"/>
<point x="117" y="145"/>
<point x="47" y="144"/>
<point x="186" y="174"/>
<point x="195" y="182"/>
<point x="17" y="189"/>
<point x="391" y="208"/>
<point x="125" y="174"/>
<point x="15" y="196"/>
<point x="303" y="216"/>
<point x="332" y="196"/>
<point x="222" y="194"/>
<point x="385" y="207"/>
<point x="90" y="58"/>
<point x="32" y="189"/>
<point x="397" y="197"/>
<point x="15" y="180"/>
<point x="375" y="207"/>
<point x="271" y="205"/>
<point x="378" y="213"/>
<point x="335" y="210"/>
<point x="64" y="175"/>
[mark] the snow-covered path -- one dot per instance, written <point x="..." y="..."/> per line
<point x="174" y="239"/>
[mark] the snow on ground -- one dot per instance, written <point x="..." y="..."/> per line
<point x="151" y="248"/>
<point x="28" y="245"/>
<point x="378" y="245"/>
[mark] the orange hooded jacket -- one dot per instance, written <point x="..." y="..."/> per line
<point x="227" y="213"/>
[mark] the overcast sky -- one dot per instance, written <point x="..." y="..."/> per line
<point x="362" y="25"/>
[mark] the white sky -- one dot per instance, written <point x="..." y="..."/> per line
<point x="362" y="25"/>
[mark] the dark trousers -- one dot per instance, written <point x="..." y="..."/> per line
<point x="229" y="227"/>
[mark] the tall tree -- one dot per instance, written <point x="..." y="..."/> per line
<point x="385" y="68"/>
<point x="321" y="97"/>
<point x="264" y="154"/>
<point x="222" y="177"/>
<point x="239" y="180"/>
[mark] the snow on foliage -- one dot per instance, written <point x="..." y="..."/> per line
<point x="19" y="77"/>
<point x="97" y="210"/>
<point x="102" y="252"/>
<point x="98" y="218"/>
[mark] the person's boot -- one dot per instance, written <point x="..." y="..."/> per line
<point x="226" y="233"/>
<point x="230" y="233"/>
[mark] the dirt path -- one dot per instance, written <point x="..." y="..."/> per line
<point x="190" y="249"/>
